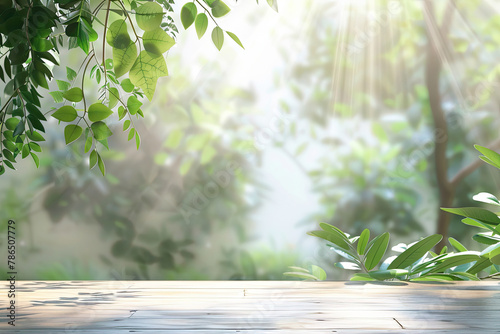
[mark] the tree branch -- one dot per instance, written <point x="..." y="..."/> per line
<point x="436" y="37"/>
<point x="465" y="171"/>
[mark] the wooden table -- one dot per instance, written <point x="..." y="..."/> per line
<point x="252" y="307"/>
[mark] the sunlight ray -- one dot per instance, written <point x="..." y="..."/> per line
<point x="439" y="45"/>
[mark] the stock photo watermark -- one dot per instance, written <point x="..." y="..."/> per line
<point x="376" y="21"/>
<point x="12" y="272"/>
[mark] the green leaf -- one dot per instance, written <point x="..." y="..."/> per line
<point x="475" y="213"/>
<point x="74" y="94"/>
<point x="19" y="54"/>
<point x="235" y="38"/>
<point x="486" y="238"/>
<point x="98" y="76"/>
<point x="127" y="85"/>
<point x="348" y="254"/>
<point x="299" y="269"/>
<point x="219" y="8"/>
<point x="131" y="134"/>
<point x="363" y="241"/>
<point x="494" y="256"/>
<point x="376" y="251"/>
<point x="35" y="159"/>
<point x="109" y="64"/>
<point x="117" y="35"/>
<point x="11" y="123"/>
<point x="88" y="144"/>
<point x="493" y="158"/>
<point x="137" y="140"/>
<point x="188" y="14"/>
<point x="35" y="147"/>
<point x="443" y="250"/>
<point x="133" y="104"/>
<point x="92" y="159"/>
<point x="453" y="260"/>
<point x="63" y="85"/>
<point x="100" y="130"/>
<point x="84" y="34"/>
<point x="480" y="265"/>
<point x="157" y="42"/>
<point x="70" y="73"/>
<point x="347" y="265"/>
<point x="273" y="4"/>
<point x="35" y="136"/>
<point x="149" y="16"/>
<point x="489" y="249"/>
<point x="331" y="237"/>
<point x="486" y="198"/>
<point x="100" y="163"/>
<point x="218" y="37"/>
<point x="335" y="230"/>
<point x="387" y="274"/>
<point x="98" y="111"/>
<point x="415" y="252"/>
<point x="26" y="151"/>
<point x="464" y="276"/>
<point x="11" y="146"/>
<point x="121" y="112"/>
<point x="72" y="132"/>
<point x="123" y="59"/>
<point x="114" y="95"/>
<point x="8" y="164"/>
<point x="57" y="96"/>
<point x="41" y="44"/>
<point x="434" y="278"/>
<point x="146" y="71"/>
<point x="362" y="277"/>
<point x="474" y="222"/>
<point x="126" y="125"/>
<point x="8" y="155"/>
<point x="457" y="245"/>
<point x="65" y="114"/>
<point x="318" y="272"/>
<point x="201" y="24"/>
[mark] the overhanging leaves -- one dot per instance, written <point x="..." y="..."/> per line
<point x="157" y="41"/>
<point x="146" y="71"/>
<point x="188" y="14"/>
<point x="149" y="16"/>
<point x="123" y="59"/>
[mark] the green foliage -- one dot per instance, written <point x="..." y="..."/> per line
<point x="417" y="262"/>
<point x="32" y="34"/>
<point x="72" y="132"/>
<point x="190" y="14"/>
<point x="201" y="24"/>
<point x="218" y="37"/>
<point x="315" y="273"/>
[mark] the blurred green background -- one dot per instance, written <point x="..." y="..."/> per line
<point x="324" y="117"/>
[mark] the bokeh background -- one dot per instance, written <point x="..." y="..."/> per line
<point x="324" y="117"/>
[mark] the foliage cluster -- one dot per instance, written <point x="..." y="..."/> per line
<point x="139" y="33"/>
<point x="417" y="261"/>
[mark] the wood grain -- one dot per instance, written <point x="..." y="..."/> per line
<point x="252" y="307"/>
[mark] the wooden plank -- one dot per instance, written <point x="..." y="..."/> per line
<point x="253" y="307"/>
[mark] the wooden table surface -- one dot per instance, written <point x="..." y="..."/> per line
<point x="252" y="307"/>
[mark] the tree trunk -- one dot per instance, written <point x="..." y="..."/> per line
<point x="436" y="48"/>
